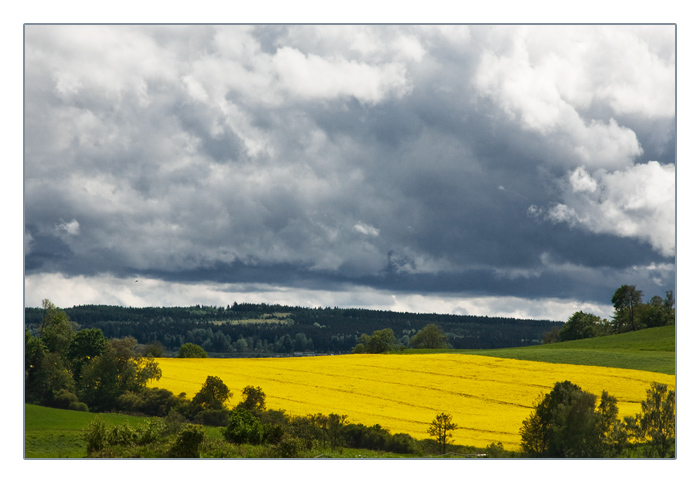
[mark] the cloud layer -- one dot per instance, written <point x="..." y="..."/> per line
<point x="478" y="161"/>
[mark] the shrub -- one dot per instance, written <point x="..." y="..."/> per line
<point x="401" y="443"/>
<point x="190" y="350"/>
<point x="188" y="442"/>
<point x="173" y="422"/>
<point x="96" y="435"/>
<point x="122" y="435"/>
<point x="150" y="431"/>
<point x="289" y="447"/>
<point x="78" y="406"/>
<point x="64" y="398"/>
<point x="243" y="428"/>
<point x="213" y="417"/>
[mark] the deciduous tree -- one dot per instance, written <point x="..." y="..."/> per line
<point x="566" y="424"/>
<point x="253" y="399"/>
<point x="626" y="299"/>
<point x="212" y="396"/>
<point x="441" y="429"/>
<point x="656" y="425"/>
<point x="190" y="350"/>
<point x="430" y="337"/>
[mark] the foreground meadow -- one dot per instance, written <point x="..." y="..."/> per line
<point x="488" y="397"/>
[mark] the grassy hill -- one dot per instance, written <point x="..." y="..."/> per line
<point x="651" y="350"/>
<point x="58" y="433"/>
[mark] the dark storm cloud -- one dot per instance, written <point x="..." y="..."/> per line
<point x="413" y="159"/>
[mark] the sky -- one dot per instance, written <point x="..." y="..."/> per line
<point x="506" y="170"/>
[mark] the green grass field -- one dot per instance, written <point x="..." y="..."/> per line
<point x="58" y="433"/>
<point x="651" y="350"/>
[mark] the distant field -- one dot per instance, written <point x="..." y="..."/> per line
<point x="651" y="350"/>
<point x="489" y="397"/>
<point x="266" y="320"/>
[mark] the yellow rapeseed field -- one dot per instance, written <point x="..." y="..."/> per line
<point x="488" y="397"/>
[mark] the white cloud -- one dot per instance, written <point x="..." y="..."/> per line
<point x="311" y="76"/>
<point x="581" y="181"/>
<point x="548" y="79"/>
<point x="637" y="202"/>
<point x="366" y="229"/>
<point x="72" y="227"/>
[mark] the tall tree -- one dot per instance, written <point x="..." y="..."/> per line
<point x="85" y="345"/>
<point x="625" y="300"/>
<point x="441" y="429"/>
<point x="118" y="370"/>
<point x="56" y="329"/>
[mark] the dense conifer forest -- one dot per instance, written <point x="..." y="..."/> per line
<point x="250" y="329"/>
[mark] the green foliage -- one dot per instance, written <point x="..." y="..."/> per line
<point x="253" y="399"/>
<point x="154" y="349"/>
<point x="96" y="435"/>
<point x="496" y="450"/>
<point x="441" y="430"/>
<point x="117" y="371"/>
<point x="378" y="439"/>
<point x="430" y="337"/>
<point x="244" y="428"/>
<point x="190" y="350"/>
<point x="379" y="342"/>
<point x="625" y="300"/>
<point x="85" y="345"/>
<point x="552" y="336"/>
<point x="150" y="401"/>
<point x="188" y="442"/>
<point x="582" y="326"/>
<point x="566" y="424"/>
<point x="334" y="429"/>
<point x="241" y="328"/>
<point x="212" y="396"/>
<point x="289" y="447"/>
<point x="51" y="378"/>
<point x="656" y="425"/>
<point x="213" y="417"/>
<point x="56" y="329"/>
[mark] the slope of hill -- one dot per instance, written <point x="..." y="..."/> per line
<point x="651" y="350"/>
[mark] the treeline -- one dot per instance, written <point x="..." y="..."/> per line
<point x="251" y="429"/>
<point x="249" y="329"/>
<point x="631" y="314"/>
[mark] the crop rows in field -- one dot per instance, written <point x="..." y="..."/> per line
<point x="488" y="397"/>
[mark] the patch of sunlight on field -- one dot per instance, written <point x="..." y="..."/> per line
<point x="488" y="397"/>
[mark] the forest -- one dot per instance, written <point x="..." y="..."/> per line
<point x="262" y="329"/>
